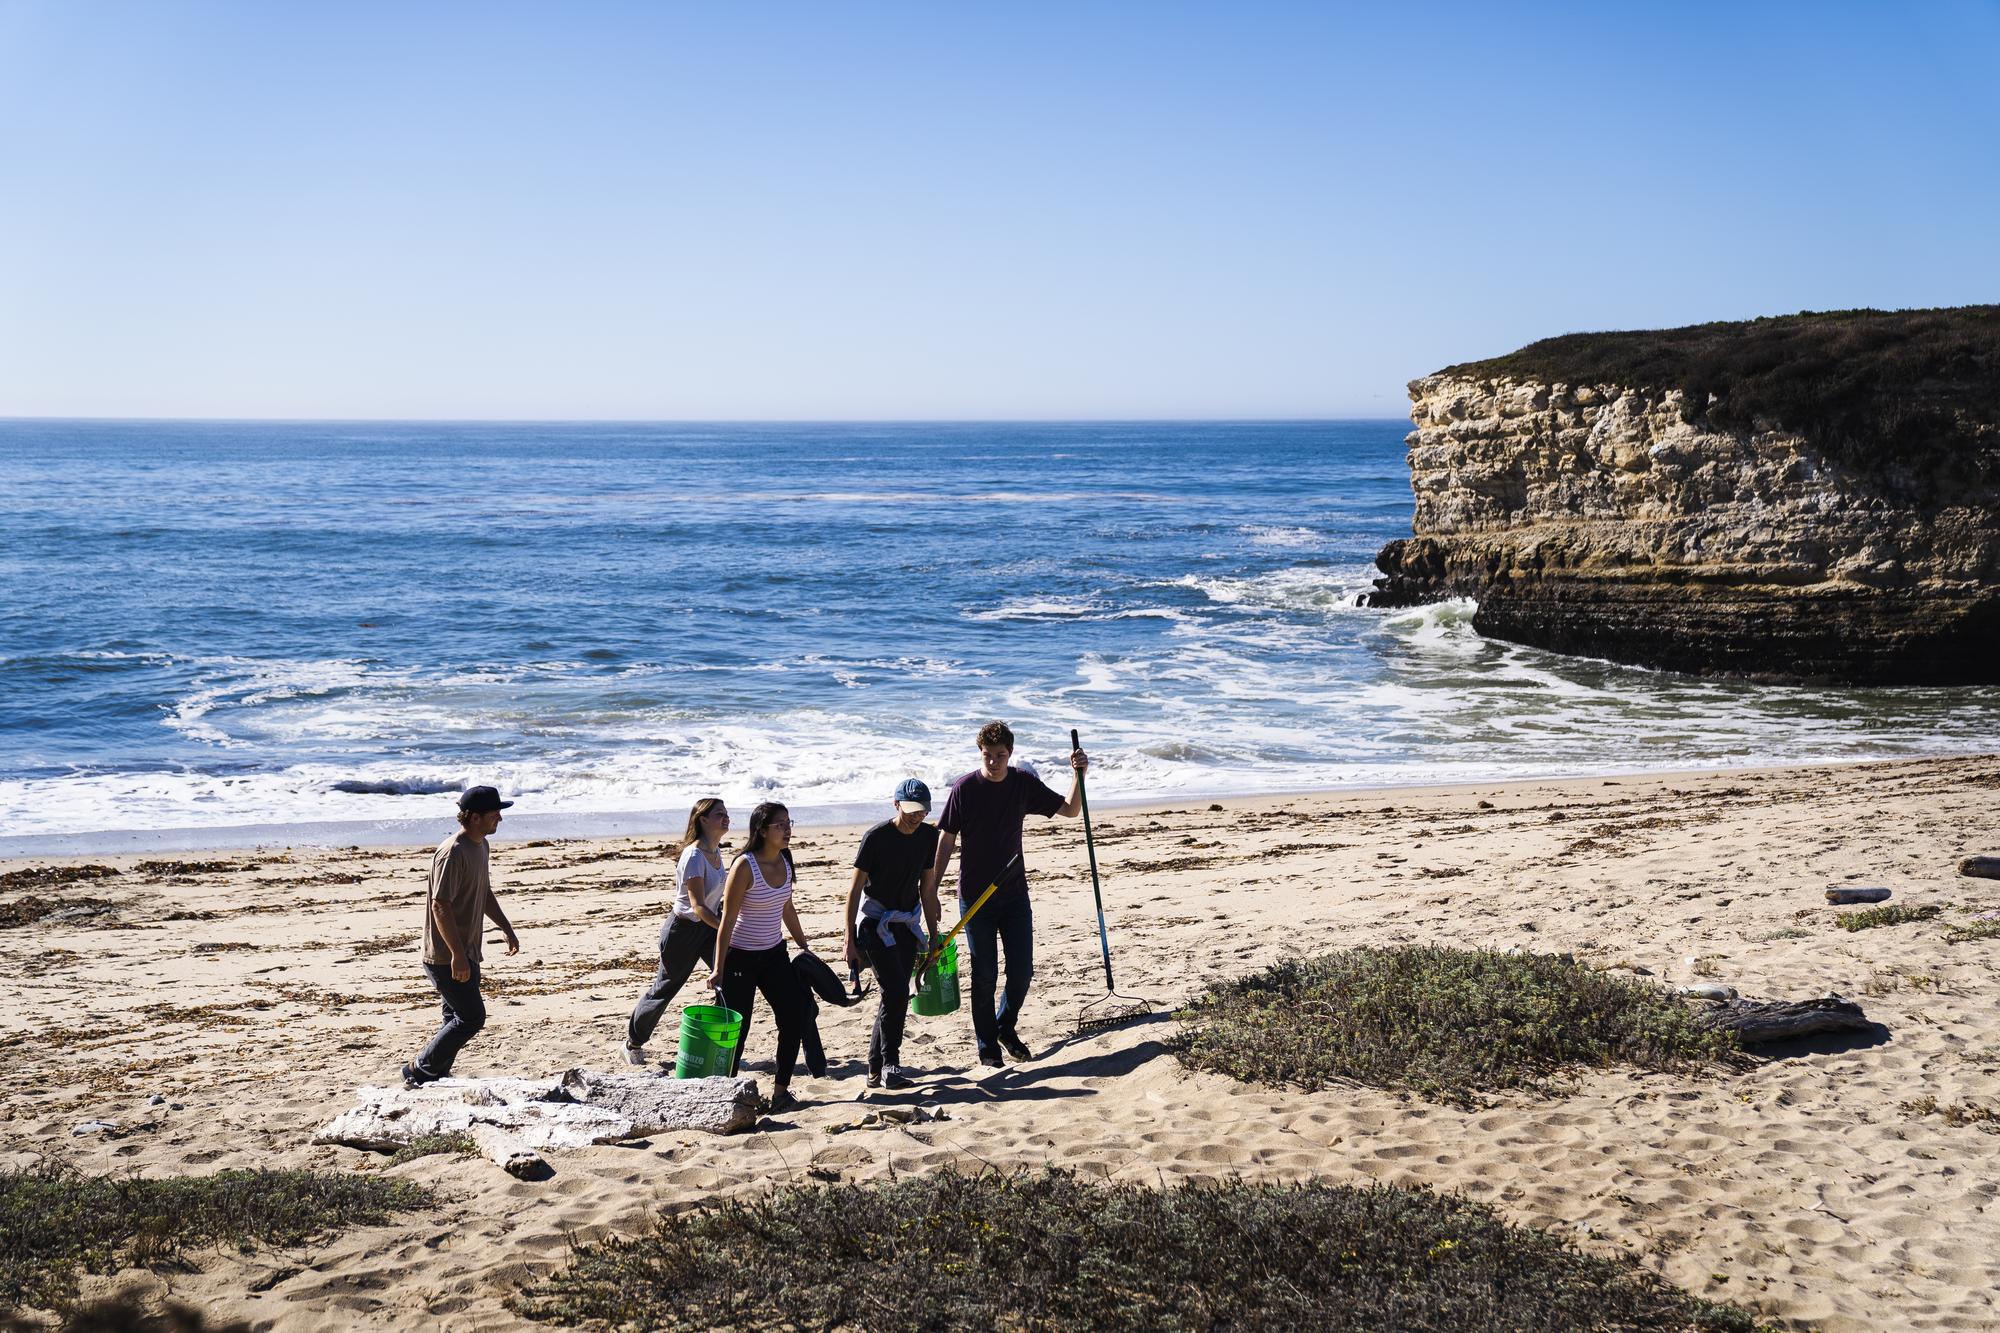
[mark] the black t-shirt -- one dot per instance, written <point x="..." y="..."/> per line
<point x="895" y="862"/>
<point x="987" y="817"/>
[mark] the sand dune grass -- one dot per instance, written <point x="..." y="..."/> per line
<point x="1448" y="1024"/>
<point x="56" y="1223"/>
<point x="947" y="1251"/>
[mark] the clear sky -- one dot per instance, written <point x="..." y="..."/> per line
<point x="941" y="210"/>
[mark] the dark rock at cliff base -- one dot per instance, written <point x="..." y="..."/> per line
<point x="1777" y="538"/>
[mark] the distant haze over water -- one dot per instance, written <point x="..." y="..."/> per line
<point x="215" y="625"/>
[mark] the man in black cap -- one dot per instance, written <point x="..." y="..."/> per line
<point x="460" y="894"/>
<point x="894" y="871"/>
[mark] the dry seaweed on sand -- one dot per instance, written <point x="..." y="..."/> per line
<point x="1448" y="1024"/>
<point x="56" y="1222"/>
<point x="48" y="877"/>
<point x="946" y="1252"/>
<point x="30" y="908"/>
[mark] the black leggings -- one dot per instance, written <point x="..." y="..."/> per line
<point x="892" y="966"/>
<point x="747" y="971"/>
<point x="684" y="941"/>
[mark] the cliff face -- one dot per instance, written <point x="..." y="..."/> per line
<point x="1596" y="519"/>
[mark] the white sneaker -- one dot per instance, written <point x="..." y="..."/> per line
<point x="635" y="1055"/>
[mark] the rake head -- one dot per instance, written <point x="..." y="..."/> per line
<point x="1110" y="1010"/>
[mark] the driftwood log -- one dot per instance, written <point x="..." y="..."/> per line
<point x="1757" y="1022"/>
<point x="505" y="1150"/>
<point x="1844" y="896"/>
<point x="1981" y="867"/>
<point x="512" y="1120"/>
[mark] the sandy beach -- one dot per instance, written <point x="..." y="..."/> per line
<point x="256" y="990"/>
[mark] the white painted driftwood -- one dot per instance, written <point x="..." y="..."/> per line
<point x="512" y="1119"/>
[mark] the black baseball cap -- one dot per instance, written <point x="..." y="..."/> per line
<point x="480" y="800"/>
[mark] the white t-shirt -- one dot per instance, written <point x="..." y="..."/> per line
<point x="694" y="867"/>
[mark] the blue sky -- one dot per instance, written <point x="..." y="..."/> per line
<point x="947" y="211"/>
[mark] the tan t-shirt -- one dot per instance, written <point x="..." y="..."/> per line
<point x="461" y="886"/>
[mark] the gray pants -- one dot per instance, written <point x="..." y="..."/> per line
<point x="464" y="1015"/>
<point x="683" y="943"/>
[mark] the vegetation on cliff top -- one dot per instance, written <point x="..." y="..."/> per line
<point x="1869" y="385"/>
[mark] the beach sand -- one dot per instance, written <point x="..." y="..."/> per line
<point x="258" y="992"/>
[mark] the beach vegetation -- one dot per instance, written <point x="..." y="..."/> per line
<point x="1956" y="1114"/>
<point x="56" y="1222"/>
<point x="945" y="1251"/>
<point x="1889" y="914"/>
<point x="1971" y="931"/>
<point x="434" y="1145"/>
<point x="1873" y="387"/>
<point x="1447" y="1024"/>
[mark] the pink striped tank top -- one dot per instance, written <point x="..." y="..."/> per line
<point x="761" y="923"/>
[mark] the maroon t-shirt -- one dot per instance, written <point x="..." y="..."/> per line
<point x="986" y="818"/>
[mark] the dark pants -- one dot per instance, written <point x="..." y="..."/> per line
<point x="892" y="983"/>
<point x="684" y="942"/>
<point x="464" y="1015"/>
<point x="747" y="971"/>
<point x="1006" y="923"/>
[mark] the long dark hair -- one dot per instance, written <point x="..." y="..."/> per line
<point x="760" y="823"/>
<point x="701" y="811"/>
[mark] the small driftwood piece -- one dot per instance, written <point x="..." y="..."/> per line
<point x="1840" y="897"/>
<point x="1757" y="1022"/>
<point x="1980" y="867"/>
<point x="505" y="1150"/>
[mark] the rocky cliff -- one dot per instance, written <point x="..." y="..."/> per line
<point x="1615" y="520"/>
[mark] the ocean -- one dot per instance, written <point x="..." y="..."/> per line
<point x="217" y="633"/>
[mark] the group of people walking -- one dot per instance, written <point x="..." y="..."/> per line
<point x="733" y="911"/>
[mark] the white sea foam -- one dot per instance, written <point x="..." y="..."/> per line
<point x="1295" y="539"/>
<point x="1298" y="588"/>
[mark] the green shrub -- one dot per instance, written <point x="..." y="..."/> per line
<point x="1892" y="914"/>
<point x="432" y="1145"/>
<point x="1971" y="931"/>
<point x="946" y="1252"/>
<point x="56" y="1222"/>
<point x="1445" y="1023"/>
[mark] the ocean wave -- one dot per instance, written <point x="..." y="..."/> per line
<point x="398" y="786"/>
<point x="1295" y="588"/>
<point x="1284" y="538"/>
<point x="1041" y="608"/>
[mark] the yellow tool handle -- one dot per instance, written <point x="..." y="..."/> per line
<point x="936" y="951"/>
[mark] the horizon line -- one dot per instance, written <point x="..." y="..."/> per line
<point x="699" y="421"/>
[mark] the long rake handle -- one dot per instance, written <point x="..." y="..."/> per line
<point x="1090" y="845"/>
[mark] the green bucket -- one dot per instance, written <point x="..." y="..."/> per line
<point x="708" y="1041"/>
<point x="937" y="990"/>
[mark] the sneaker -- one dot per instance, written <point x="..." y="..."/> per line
<point x="894" y="1077"/>
<point x="874" y="1078"/>
<point x="635" y="1055"/>
<point x="992" y="1060"/>
<point x="413" y="1077"/>
<point x="781" y="1101"/>
<point x="1015" y="1047"/>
